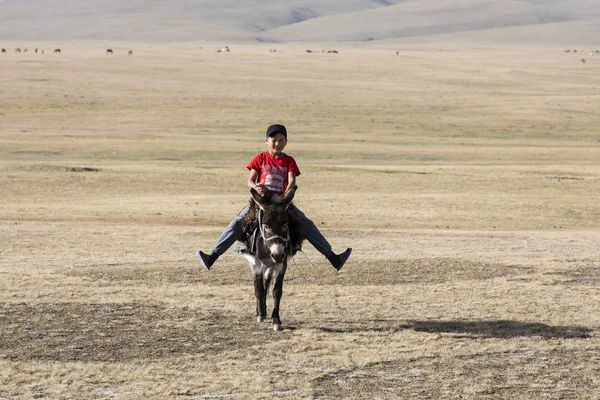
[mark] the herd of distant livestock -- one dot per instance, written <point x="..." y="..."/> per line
<point x="227" y="50"/>
<point x="56" y="51"/>
<point x="18" y="50"/>
<point x="592" y="52"/>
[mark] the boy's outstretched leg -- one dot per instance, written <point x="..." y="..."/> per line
<point x="228" y="238"/>
<point x="316" y="238"/>
<point x="338" y="260"/>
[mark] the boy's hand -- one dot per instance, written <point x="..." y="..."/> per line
<point x="261" y="189"/>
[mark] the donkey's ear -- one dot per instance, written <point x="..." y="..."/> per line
<point x="289" y="195"/>
<point x="257" y="197"/>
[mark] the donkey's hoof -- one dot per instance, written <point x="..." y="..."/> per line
<point x="260" y="319"/>
<point x="277" y="327"/>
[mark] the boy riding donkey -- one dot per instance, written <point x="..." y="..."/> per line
<point x="273" y="172"/>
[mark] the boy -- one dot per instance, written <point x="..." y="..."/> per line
<point x="276" y="172"/>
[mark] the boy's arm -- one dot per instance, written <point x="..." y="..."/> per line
<point x="252" y="178"/>
<point x="253" y="182"/>
<point x="291" y="181"/>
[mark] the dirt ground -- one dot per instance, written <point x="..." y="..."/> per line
<point x="467" y="181"/>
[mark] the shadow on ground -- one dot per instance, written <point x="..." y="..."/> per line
<point x="499" y="329"/>
<point x="502" y="329"/>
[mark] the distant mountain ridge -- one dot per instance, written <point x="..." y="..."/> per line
<point x="279" y="21"/>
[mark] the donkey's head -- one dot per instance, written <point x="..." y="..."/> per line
<point x="274" y="222"/>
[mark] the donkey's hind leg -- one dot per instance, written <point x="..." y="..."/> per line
<point x="261" y="298"/>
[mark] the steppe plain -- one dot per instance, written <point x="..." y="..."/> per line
<point x="466" y="179"/>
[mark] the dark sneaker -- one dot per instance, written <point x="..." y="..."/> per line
<point x="338" y="260"/>
<point x="207" y="260"/>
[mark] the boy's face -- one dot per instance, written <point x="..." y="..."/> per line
<point x="276" y="143"/>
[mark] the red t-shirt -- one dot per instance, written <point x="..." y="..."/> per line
<point x="273" y="171"/>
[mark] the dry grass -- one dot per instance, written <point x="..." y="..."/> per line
<point x="466" y="180"/>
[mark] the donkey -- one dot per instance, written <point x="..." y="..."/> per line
<point x="275" y="241"/>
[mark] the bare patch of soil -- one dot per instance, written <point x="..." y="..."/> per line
<point x="578" y="272"/>
<point x="425" y="270"/>
<point x="116" y="332"/>
<point x="475" y="376"/>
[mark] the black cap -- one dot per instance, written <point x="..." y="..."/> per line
<point x="276" y="128"/>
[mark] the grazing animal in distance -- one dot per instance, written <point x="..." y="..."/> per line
<point x="56" y="51"/>
<point x="18" y="50"/>
<point x="130" y="53"/>
<point x="109" y="51"/>
<point x="3" y="51"/>
<point x="268" y="248"/>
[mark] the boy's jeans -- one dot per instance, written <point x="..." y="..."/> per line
<point x="308" y="228"/>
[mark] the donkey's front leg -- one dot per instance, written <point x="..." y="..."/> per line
<point x="277" y="293"/>
<point x="261" y="298"/>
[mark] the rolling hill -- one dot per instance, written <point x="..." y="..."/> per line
<point x="559" y="22"/>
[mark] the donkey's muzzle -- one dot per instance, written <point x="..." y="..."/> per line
<point x="277" y="252"/>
